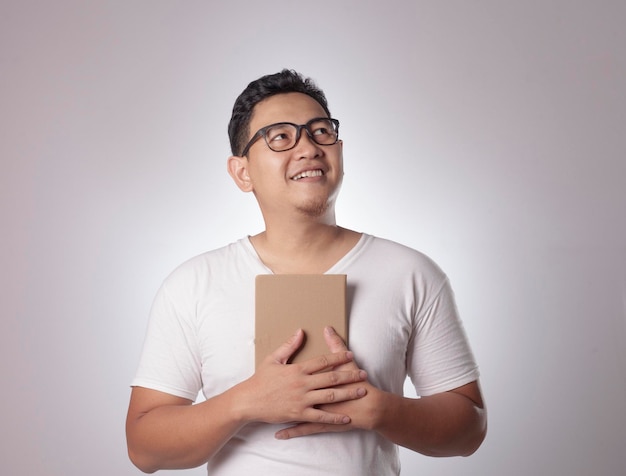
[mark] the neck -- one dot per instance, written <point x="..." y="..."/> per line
<point x="297" y="228"/>
<point x="303" y="246"/>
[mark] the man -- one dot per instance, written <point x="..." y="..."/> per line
<point x="293" y="419"/>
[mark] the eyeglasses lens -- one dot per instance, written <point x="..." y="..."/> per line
<point x="282" y="137"/>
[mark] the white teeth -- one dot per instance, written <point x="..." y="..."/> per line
<point x="308" y="173"/>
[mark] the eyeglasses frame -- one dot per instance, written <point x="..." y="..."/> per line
<point x="261" y="133"/>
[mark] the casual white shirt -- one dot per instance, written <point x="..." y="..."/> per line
<point x="403" y="321"/>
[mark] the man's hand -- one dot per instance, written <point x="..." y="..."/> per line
<point x="361" y="413"/>
<point x="451" y="423"/>
<point x="279" y="393"/>
<point x="168" y="432"/>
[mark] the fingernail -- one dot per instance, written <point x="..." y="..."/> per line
<point x="329" y="330"/>
<point x="360" y="392"/>
<point x="345" y="419"/>
<point x="363" y="374"/>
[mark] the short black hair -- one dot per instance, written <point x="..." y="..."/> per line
<point x="286" y="81"/>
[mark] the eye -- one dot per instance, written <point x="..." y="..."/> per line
<point x="322" y="129"/>
<point x="279" y="133"/>
<point x="278" y="136"/>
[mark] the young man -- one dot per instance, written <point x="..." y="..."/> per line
<point x="293" y="419"/>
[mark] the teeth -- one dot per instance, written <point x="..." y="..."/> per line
<point x="308" y="173"/>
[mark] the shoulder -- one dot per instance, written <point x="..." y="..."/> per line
<point x="200" y="269"/>
<point x="396" y="256"/>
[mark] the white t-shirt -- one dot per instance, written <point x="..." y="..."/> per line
<point x="402" y="321"/>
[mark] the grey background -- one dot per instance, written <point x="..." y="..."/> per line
<point x="488" y="134"/>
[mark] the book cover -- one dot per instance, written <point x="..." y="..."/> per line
<point x="287" y="302"/>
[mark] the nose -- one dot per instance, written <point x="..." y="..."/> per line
<point x="306" y="146"/>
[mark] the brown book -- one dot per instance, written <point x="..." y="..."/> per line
<point x="287" y="302"/>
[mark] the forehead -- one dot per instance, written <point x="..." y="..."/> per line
<point x="287" y="107"/>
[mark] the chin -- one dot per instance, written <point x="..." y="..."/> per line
<point x="314" y="209"/>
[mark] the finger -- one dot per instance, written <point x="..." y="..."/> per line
<point x="286" y="350"/>
<point x="304" y="429"/>
<point x="337" y="377"/>
<point x="325" y="362"/>
<point x="334" y="342"/>
<point x="323" y="417"/>
<point x="335" y="395"/>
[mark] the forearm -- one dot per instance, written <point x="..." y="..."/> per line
<point x="181" y="436"/>
<point x="446" y="424"/>
<point x="167" y="432"/>
<point x="451" y="423"/>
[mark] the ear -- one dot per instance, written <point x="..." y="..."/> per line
<point x="238" y="170"/>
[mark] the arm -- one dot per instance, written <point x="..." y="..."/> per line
<point x="451" y="423"/>
<point x="166" y="432"/>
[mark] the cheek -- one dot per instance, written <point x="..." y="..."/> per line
<point x="266" y="176"/>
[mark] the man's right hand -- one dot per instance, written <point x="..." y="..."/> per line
<point x="279" y="392"/>
<point x="169" y="432"/>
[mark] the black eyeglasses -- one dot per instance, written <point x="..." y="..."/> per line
<point x="284" y="136"/>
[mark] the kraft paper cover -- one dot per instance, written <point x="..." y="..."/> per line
<point x="286" y="302"/>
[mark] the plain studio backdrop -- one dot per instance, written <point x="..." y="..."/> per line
<point x="490" y="135"/>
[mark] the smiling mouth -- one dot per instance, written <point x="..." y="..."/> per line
<point x="308" y="173"/>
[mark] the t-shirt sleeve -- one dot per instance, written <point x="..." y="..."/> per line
<point x="440" y="357"/>
<point x="170" y="361"/>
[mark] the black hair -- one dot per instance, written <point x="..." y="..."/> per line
<point x="287" y="81"/>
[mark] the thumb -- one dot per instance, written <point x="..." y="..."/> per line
<point x="286" y="350"/>
<point x="334" y="342"/>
